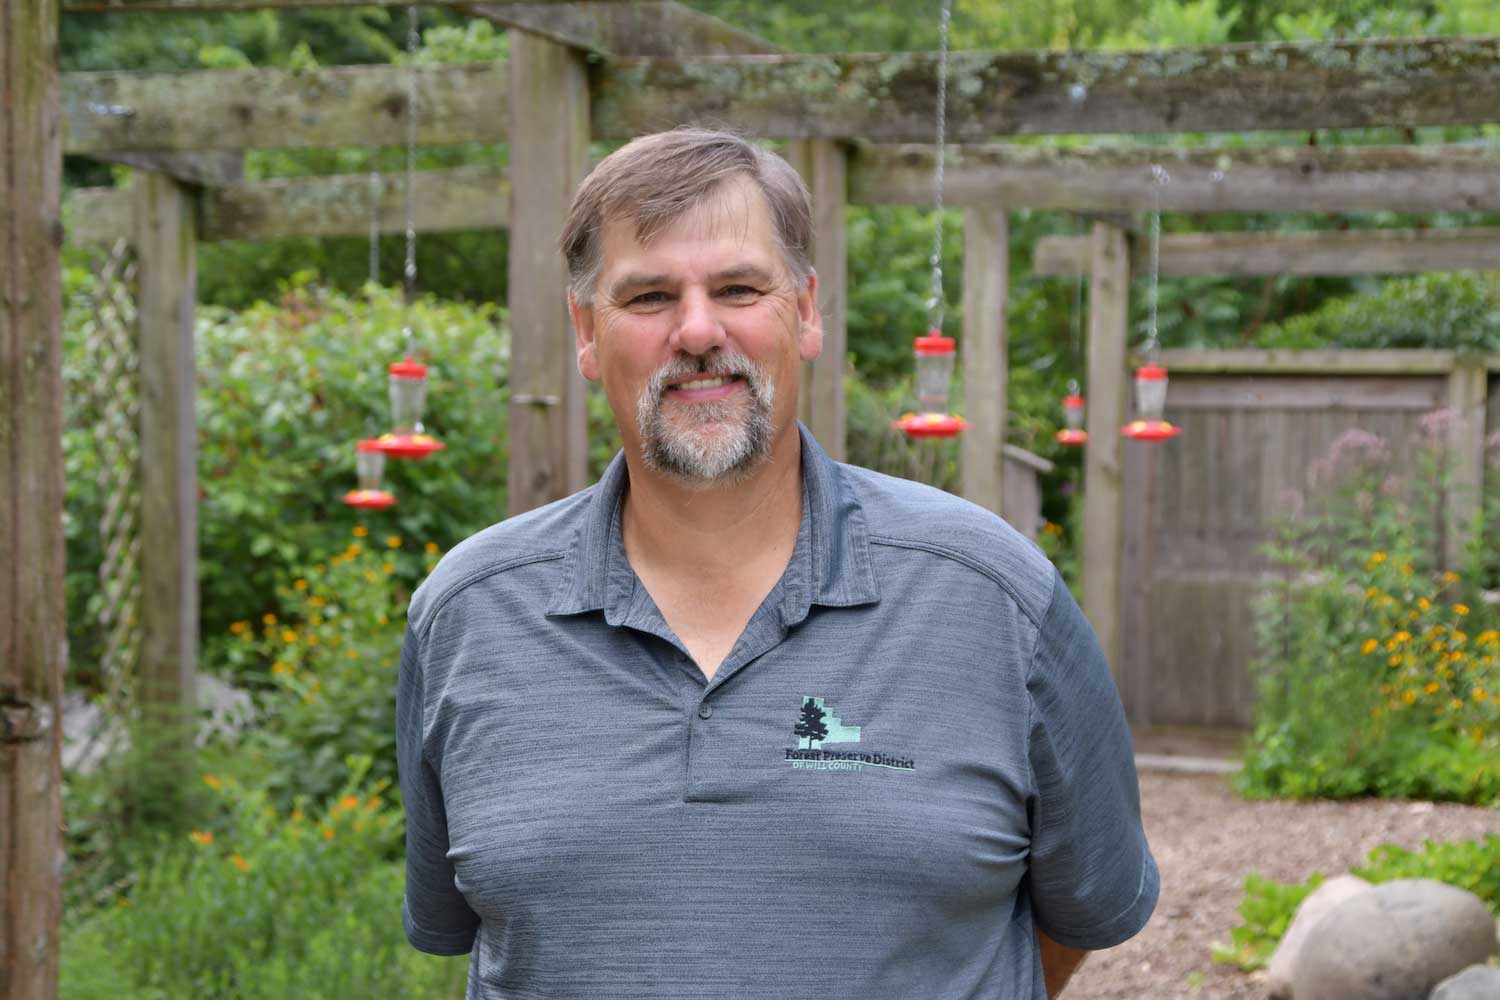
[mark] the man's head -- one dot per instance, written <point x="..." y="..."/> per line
<point x="693" y="300"/>
<point x="653" y="181"/>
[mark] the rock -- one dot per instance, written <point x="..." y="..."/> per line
<point x="1477" y="982"/>
<point x="90" y="735"/>
<point x="1395" y="942"/>
<point x="1324" y="898"/>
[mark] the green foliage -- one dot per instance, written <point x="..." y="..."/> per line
<point x="260" y="904"/>
<point x="1268" y="906"/>
<point x="1267" y="910"/>
<point x="1455" y="311"/>
<point x="1375" y="675"/>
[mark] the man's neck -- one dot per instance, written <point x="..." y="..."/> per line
<point x="715" y="532"/>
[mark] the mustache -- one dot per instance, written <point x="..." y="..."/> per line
<point x="712" y="365"/>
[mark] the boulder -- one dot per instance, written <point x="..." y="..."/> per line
<point x="1324" y="898"/>
<point x="1477" y="982"/>
<point x="1395" y="942"/>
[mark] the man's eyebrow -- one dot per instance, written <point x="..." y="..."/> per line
<point x="630" y="282"/>
<point x="750" y="271"/>
<point x="627" y="282"/>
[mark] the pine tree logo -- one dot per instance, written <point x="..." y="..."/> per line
<point x="817" y="725"/>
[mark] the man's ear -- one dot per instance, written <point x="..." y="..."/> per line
<point x="809" y="319"/>
<point x="583" y="333"/>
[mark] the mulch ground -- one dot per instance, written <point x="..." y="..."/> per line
<point x="1206" y="839"/>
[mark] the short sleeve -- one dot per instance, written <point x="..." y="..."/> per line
<point x="434" y="913"/>
<point x="1092" y="880"/>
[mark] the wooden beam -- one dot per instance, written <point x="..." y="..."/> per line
<point x="1468" y="401"/>
<point x="1319" y="362"/>
<point x="822" y="166"/>
<point x="1371" y="251"/>
<point x="280" y="109"/>
<point x="888" y="97"/>
<point x="33" y="619"/>
<point x="208" y="169"/>
<point x="1107" y="395"/>
<point x="1275" y="179"/>
<point x="211" y="6"/>
<point x="549" y="155"/>
<point x="450" y="200"/>
<point x="985" y="348"/>
<point x="166" y="254"/>
<point x="661" y="28"/>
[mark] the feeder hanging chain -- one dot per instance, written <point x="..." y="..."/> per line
<point x="935" y="304"/>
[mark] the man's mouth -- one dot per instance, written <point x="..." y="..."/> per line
<point x="704" y="387"/>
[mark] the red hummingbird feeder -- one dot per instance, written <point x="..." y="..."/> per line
<point x="408" y="389"/>
<point x="370" y="464"/>
<point x="935" y="355"/>
<point x="1151" y="404"/>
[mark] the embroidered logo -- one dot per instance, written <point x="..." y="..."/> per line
<point x="817" y="726"/>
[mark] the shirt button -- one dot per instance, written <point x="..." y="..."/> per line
<point x="705" y="710"/>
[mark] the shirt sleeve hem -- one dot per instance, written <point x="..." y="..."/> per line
<point x="435" y="943"/>
<point x="1121" y="927"/>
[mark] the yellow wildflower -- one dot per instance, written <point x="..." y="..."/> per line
<point x="430" y="548"/>
<point x="281" y="668"/>
<point x="1460" y="609"/>
<point x="1372" y="593"/>
<point x="327" y="833"/>
<point x="1450" y="577"/>
<point x="393" y="541"/>
<point x="312" y="638"/>
<point x="236" y="628"/>
<point x="1459" y="638"/>
<point x="1406" y="570"/>
<point x="1423" y="603"/>
<point x="353" y="653"/>
<point x="1456" y="705"/>
<point x="1377" y="558"/>
<point x="1431" y="687"/>
<point x="360" y="531"/>
<point x="1408" y="696"/>
<point x="372" y="576"/>
<point x="374" y="802"/>
<point x="1480" y="694"/>
<point x="316" y="602"/>
<point x="296" y="815"/>
<point x="201" y="837"/>
<point x="239" y="862"/>
<point x="212" y="782"/>
<point x="300" y="585"/>
<point x="288" y="636"/>
<point x="387" y="568"/>
<point x="383" y="620"/>
<point x="268" y="619"/>
<point x="1395" y="661"/>
<point x="1369" y="647"/>
<point x="1402" y="636"/>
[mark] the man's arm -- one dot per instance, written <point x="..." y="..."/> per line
<point x="1058" y="962"/>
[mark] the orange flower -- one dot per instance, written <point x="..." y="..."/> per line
<point x="393" y="541"/>
<point x="360" y="531"/>
<point x="430" y="548"/>
<point x="1460" y="609"/>
<point x="349" y="802"/>
<point x="269" y="619"/>
<point x="212" y="782"/>
<point x="201" y="837"/>
<point x="327" y="833"/>
<point x="239" y="862"/>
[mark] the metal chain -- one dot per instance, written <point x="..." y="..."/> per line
<point x="935" y="304"/>
<point x="1159" y="178"/>
<point x="375" y="191"/>
<point x="413" y="40"/>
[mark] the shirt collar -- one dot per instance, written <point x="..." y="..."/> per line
<point x="830" y="563"/>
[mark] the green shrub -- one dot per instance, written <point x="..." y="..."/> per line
<point x="262" y="905"/>
<point x="1457" y="311"/>
<point x="1268" y="906"/>
<point x="1376" y="675"/>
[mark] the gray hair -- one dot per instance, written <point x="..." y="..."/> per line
<point x="656" y="179"/>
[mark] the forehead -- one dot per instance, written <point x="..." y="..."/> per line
<point x="734" y="221"/>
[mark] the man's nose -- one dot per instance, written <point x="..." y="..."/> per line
<point x="698" y="328"/>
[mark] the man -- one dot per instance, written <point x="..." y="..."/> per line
<point x="739" y="721"/>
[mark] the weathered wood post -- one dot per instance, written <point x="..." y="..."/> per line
<point x="33" y="632"/>
<point x="1468" y="399"/>
<point x="1108" y="381"/>
<point x="823" y="164"/>
<point x="985" y="360"/>
<point x="549" y="148"/>
<point x="166" y="253"/>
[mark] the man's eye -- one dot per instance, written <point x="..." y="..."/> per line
<point x="739" y="291"/>
<point x="648" y="299"/>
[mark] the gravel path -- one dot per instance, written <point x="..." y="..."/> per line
<point x="1206" y="839"/>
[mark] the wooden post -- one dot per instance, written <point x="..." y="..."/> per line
<point x="166" y="252"/>
<point x="549" y="148"/>
<point x="1468" y="389"/>
<point x="33" y="633"/>
<point x="984" y="348"/>
<point x="1108" y="380"/>
<point x="823" y="165"/>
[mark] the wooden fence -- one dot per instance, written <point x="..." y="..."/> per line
<point x="1199" y="510"/>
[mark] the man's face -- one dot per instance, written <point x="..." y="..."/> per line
<point x="698" y="337"/>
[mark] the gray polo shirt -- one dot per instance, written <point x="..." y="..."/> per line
<point x="913" y="755"/>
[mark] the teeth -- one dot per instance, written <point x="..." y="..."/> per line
<point x="703" y="383"/>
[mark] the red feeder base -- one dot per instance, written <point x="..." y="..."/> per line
<point x="930" y="425"/>
<point x="1150" y="430"/>
<point x="409" y="445"/>
<point x="1072" y="437"/>
<point x="372" y="499"/>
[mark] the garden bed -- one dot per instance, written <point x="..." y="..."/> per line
<point x="1206" y="839"/>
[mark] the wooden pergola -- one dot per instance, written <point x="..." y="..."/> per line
<point x="583" y="72"/>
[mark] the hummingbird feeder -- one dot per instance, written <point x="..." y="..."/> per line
<point x="408" y="387"/>
<point x="935" y="355"/>
<point x="1150" y="402"/>
<point x="1072" y="432"/>
<point x="370" y="465"/>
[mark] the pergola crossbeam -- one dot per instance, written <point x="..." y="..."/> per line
<point x="1385" y="251"/>
<point x="653" y="28"/>
<point x="1443" y="178"/>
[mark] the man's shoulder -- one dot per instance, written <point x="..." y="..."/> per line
<point x="544" y="534"/>
<point x="904" y="514"/>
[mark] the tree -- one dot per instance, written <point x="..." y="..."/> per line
<point x="810" y="727"/>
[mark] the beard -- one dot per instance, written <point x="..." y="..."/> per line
<point x="725" y="440"/>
